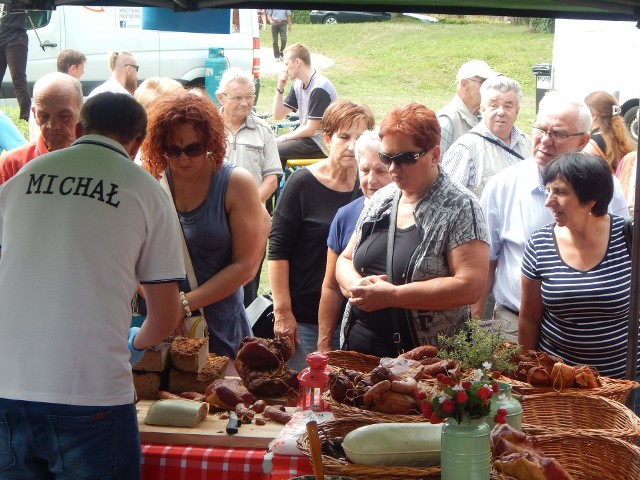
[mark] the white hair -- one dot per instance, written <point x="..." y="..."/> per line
<point x="555" y="101"/>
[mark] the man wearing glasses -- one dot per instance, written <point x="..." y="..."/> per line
<point x="251" y="143"/>
<point x="461" y="114"/>
<point x="124" y="75"/>
<point x="514" y="203"/>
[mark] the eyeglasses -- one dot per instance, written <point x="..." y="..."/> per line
<point x="191" y="150"/>
<point x="239" y="98"/>
<point x="557" y="137"/>
<point x="401" y="159"/>
<point x="137" y="67"/>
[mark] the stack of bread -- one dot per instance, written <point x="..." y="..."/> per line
<point x="177" y="365"/>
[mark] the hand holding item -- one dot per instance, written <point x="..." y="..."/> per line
<point x="136" y="355"/>
<point x="285" y="325"/>
<point x="372" y="293"/>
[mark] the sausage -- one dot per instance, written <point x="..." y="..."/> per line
<point x="407" y="386"/>
<point x="277" y="415"/>
<point x="259" y="406"/>
<point x="244" y="413"/>
<point x="375" y="391"/>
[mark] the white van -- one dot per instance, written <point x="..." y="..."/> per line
<point x="593" y="55"/>
<point x="96" y="31"/>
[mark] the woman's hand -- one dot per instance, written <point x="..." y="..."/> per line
<point x="372" y="293"/>
<point x="181" y="329"/>
<point x="285" y="325"/>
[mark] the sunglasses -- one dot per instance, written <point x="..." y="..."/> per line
<point x="137" y="67"/>
<point x="191" y="150"/>
<point x="401" y="159"/>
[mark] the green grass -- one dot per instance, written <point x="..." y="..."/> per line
<point x="391" y="63"/>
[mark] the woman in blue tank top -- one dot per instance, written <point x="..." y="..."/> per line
<point x="224" y="223"/>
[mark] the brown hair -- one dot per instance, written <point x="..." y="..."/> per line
<point x="179" y="109"/>
<point x="414" y="120"/>
<point x="616" y="137"/>
<point x="68" y="58"/>
<point x="341" y="114"/>
<point x="299" y="50"/>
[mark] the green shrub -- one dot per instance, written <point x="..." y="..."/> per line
<point x="300" y="16"/>
<point x="542" y="25"/>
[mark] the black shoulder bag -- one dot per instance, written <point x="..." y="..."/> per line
<point x="495" y="142"/>
<point x="405" y="336"/>
<point x="628" y="233"/>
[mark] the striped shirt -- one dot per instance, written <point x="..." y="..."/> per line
<point x="585" y="312"/>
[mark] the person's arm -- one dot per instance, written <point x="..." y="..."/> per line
<point x="267" y="187"/>
<point x="284" y="323"/>
<point x="249" y="226"/>
<point x="164" y="311"/>
<point x="289" y="22"/>
<point x="446" y="134"/>
<point x="477" y="309"/>
<point x="346" y="274"/>
<point x="303" y="131"/>
<point x="330" y="303"/>
<point x="467" y="263"/>
<point x="531" y="310"/>
<point x="456" y="163"/>
<point x="280" y="110"/>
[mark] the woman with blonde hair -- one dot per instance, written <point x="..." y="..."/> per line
<point x="610" y="138"/>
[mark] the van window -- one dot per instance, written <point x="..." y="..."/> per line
<point x="38" y="18"/>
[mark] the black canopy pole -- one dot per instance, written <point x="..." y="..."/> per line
<point x="632" y="349"/>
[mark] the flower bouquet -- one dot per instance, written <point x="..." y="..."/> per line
<point x="458" y="397"/>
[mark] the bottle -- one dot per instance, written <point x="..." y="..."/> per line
<point x="313" y="383"/>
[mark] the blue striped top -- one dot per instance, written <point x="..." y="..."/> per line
<point x="585" y="312"/>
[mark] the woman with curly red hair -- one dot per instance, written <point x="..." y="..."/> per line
<point x="224" y="223"/>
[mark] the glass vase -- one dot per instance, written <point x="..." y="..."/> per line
<point x="465" y="449"/>
<point x="504" y="399"/>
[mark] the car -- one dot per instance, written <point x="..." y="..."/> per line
<point x="330" y="17"/>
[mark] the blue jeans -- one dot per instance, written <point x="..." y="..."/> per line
<point x="309" y="343"/>
<point x="68" y="442"/>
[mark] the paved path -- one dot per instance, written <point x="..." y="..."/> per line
<point x="268" y="66"/>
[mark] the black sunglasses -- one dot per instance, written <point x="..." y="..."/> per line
<point x="191" y="150"/>
<point x="137" y="67"/>
<point x="401" y="159"/>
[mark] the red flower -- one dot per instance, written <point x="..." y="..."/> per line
<point x="466" y="384"/>
<point x="495" y="387"/>
<point x="420" y="395"/>
<point x="447" y="380"/>
<point x="448" y="406"/>
<point x="484" y="393"/>
<point x="439" y="377"/>
<point x="426" y="409"/>
<point x="461" y="396"/>
<point x="496" y="374"/>
<point x="435" y="419"/>
<point x="502" y="411"/>
<point x="500" y="419"/>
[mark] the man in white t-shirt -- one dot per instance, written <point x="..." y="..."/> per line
<point x="124" y="75"/>
<point x="79" y="228"/>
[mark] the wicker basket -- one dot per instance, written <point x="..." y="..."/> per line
<point x="353" y="360"/>
<point x="612" y="388"/>
<point x="551" y="413"/>
<point x="591" y="457"/>
<point x="340" y="410"/>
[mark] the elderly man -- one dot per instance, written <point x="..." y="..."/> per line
<point x="461" y="114"/>
<point x="79" y="228"/>
<point x="250" y="143"/>
<point x="310" y="96"/>
<point x="495" y="143"/>
<point x="124" y="75"/>
<point x="57" y="100"/>
<point x="514" y="203"/>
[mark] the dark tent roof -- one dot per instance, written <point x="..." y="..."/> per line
<point x="586" y="9"/>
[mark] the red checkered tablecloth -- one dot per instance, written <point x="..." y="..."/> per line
<point x="190" y="462"/>
<point x="284" y="467"/>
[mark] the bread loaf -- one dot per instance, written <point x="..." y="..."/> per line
<point x="215" y="367"/>
<point x="189" y="354"/>
<point x="147" y="385"/>
<point x="156" y="358"/>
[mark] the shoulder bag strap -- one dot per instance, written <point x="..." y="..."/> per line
<point x="394" y="312"/>
<point x="356" y="187"/>
<point x="188" y="265"/>
<point x="628" y="233"/>
<point x="495" y="142"/>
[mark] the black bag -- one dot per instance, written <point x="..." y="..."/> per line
<point x="260" y="314"/>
